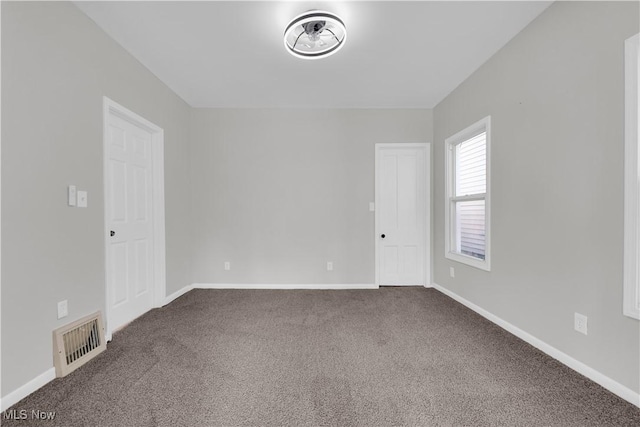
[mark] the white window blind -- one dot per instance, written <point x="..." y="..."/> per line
<point x="471" y="170"/>
<point x="471" y="223"/>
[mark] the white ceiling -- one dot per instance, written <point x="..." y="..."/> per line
<point x="231" y="53"/>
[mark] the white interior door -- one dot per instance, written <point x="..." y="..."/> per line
<point x="402" y="214"/>
<point x="129" y="220"/>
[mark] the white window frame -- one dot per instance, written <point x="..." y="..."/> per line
<point x="631" y="303"/>
<point x="483" y="125"/>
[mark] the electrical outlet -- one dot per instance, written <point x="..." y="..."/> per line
<point x="63" y="309"/>
<point x="82" y="199"/>
<point x="580" y="323"/>
<point x="227" y="265"/>
<point x="452" y="272"/>
<point x="329" y="266"/>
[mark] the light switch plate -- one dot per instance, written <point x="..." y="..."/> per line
<point x="372" y="207"/>
<point x="329" y="266"/>
<point x="227" y="265"/>
<point x="71" y="195"/>
<point x="63" y="309"/>
<point x="82" y="199"/>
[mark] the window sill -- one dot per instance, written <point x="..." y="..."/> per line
<point x="630" y="312"/>
<point x="470" y="261"/>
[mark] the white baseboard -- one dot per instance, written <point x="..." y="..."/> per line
<point x="595" y="376"/>
<point x="22" y="392"/>
<point x="177" y="294"/>
<point x="282" y="286"/>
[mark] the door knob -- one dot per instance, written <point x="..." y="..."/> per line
<point x="112" y="233"/>
<point x="382" y="235"/>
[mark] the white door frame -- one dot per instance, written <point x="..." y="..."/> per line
<point x="427" y="243"/>
<point x="112" y="108"/>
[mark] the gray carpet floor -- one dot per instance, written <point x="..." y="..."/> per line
<point x="388" y="357"/>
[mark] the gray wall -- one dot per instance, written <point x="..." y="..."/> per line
<point x="556" y="97"/>
<point x="56" y="66"/>
<point x="280" y="192"/>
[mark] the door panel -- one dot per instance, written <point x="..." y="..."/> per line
<point x="401" y="200"/>
<point x="142" y="262"/>
<point x="411" y="264"/>
<point x="119" y="268"/>
<point x="140" y="195"/>
<point x="389" y="185"/>
<point x="407" y="197"/>
<point x="116" y="135"/>
<point x="391" y="260"/>
<point x="118" y="200"/>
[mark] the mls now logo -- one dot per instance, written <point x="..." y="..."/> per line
<point x="23" y="414"/>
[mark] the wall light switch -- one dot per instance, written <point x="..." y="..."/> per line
<point x="372" y="207"/>
<point x="63" y="309"/>
<point x="71" y="195"/>
<point x="82" y="199"/>
<point x="329" y="266"/>
<point x="452" y="272"/>
<point x="227" y="265"/>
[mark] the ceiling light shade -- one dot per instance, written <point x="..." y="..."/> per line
<point x="315" y="34"/>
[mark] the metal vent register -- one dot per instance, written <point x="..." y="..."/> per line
<point x="77" y="343"/>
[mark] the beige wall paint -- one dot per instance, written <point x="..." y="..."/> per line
<point x="555" y="94"/>
<point x="280" y="192"/>
<point x="56" y="67"/>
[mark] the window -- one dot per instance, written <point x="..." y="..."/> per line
<point x="631" y="305"/>
<point x="467" y="204"/>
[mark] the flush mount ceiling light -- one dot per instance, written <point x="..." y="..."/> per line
<point x="315" y="34"/>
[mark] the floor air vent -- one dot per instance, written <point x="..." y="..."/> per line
<point x="77" y="343"/>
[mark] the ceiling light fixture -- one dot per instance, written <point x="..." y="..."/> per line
<point x="315" y="34"/>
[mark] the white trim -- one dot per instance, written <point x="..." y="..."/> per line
<point x="376" y="214"/>
<point x="25" y="390"/>
<point x="597" y="377"/>
<point x="427" y="211"/>
<point x="177" y="294"/>
<point x="631" y="301"/>
<point x="283" y="286"/>
<point x="1" y="409"/>
<point x="427" y="208"/>
<point x="465" y="134"/>
<point x="159" y="245"/>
